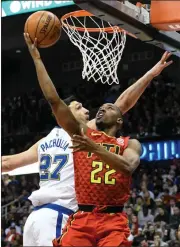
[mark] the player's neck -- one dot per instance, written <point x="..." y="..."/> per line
<point x="110" y="131"/>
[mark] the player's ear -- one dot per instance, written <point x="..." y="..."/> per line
<point x="119" y="121"/>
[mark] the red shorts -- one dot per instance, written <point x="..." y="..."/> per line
<point x="95" y="229"/>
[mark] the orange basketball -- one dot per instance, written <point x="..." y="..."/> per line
<point x="45" y="26"/>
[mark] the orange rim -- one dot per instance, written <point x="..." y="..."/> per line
<point x="84" y="13"/>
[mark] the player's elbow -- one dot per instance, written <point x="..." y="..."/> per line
<point x="123" y="168"/>
<point x="130" y="166"/>
<point x="127" y="171"/>
<point x="134" y="164"/>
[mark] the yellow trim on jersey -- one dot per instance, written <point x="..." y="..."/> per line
<point x="105" y="134"/>
<point x="67" y="228"/>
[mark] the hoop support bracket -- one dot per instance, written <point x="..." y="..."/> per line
<point x="118" y="14"/>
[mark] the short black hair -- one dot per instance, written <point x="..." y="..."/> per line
<point x="117" y="109"/>
<point x="70" y="99"/>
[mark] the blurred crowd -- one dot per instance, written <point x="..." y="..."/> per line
<point x="153" y="209"/>
<point x="156" y="113"/>
<point x="154" y="206"/>
<point x="15" y="189"/>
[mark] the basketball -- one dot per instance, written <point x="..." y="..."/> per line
<point x="45" y="26"/>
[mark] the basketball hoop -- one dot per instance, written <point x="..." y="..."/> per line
<point x="101" y="46"/>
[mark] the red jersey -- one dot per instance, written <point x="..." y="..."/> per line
<point x="96" y="183"/>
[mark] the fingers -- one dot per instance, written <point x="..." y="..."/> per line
<point x="29" y="41"/>
<point x="77" y="148"/>
<point x="35" y="42"/>
<point x="168" y="63"/>
<point x="74" y="146"/>
<point x="82" y="132"/>
<point x="78" y="138"/>
<point x="78" y="142"/>
<point x="165" y="56"/>
<point x="168" y="55"/>
<point x="163" y="59"/>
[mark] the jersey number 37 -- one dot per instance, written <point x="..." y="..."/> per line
<point x="46" y="161"/>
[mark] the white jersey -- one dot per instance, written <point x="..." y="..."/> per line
<point x="56" y="171"/>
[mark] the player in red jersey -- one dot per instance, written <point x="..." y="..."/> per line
<point x="103" y="168"/>
<point x="102" y="172"/>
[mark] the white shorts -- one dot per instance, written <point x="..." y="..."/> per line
<point x="44" y="224"/>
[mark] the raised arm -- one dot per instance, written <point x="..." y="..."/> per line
<point x="61" y="111"/>
<point x="131" y="95"/>
<point x="11" y="162"/>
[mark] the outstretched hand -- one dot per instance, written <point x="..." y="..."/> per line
<point x="161" y="65"/>
<point x="32" y="46"/>
<point x="83" y="143"/>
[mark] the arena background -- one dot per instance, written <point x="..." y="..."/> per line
<point x="155" y="121"/>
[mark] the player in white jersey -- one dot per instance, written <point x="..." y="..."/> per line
<point x="54" y="196"/>
<point x="55" y="200"/>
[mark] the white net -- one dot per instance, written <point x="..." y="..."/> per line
<point x="101" y="51"/>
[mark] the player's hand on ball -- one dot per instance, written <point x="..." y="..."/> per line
<point x="32" y="46"/>
<point x="162" y="64"/>
<point x="83" y="143"/>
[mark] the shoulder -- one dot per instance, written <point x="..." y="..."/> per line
<point x="59" y="131"/>
<point x="134" y="142"/>
<point x="135" y="145"/>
